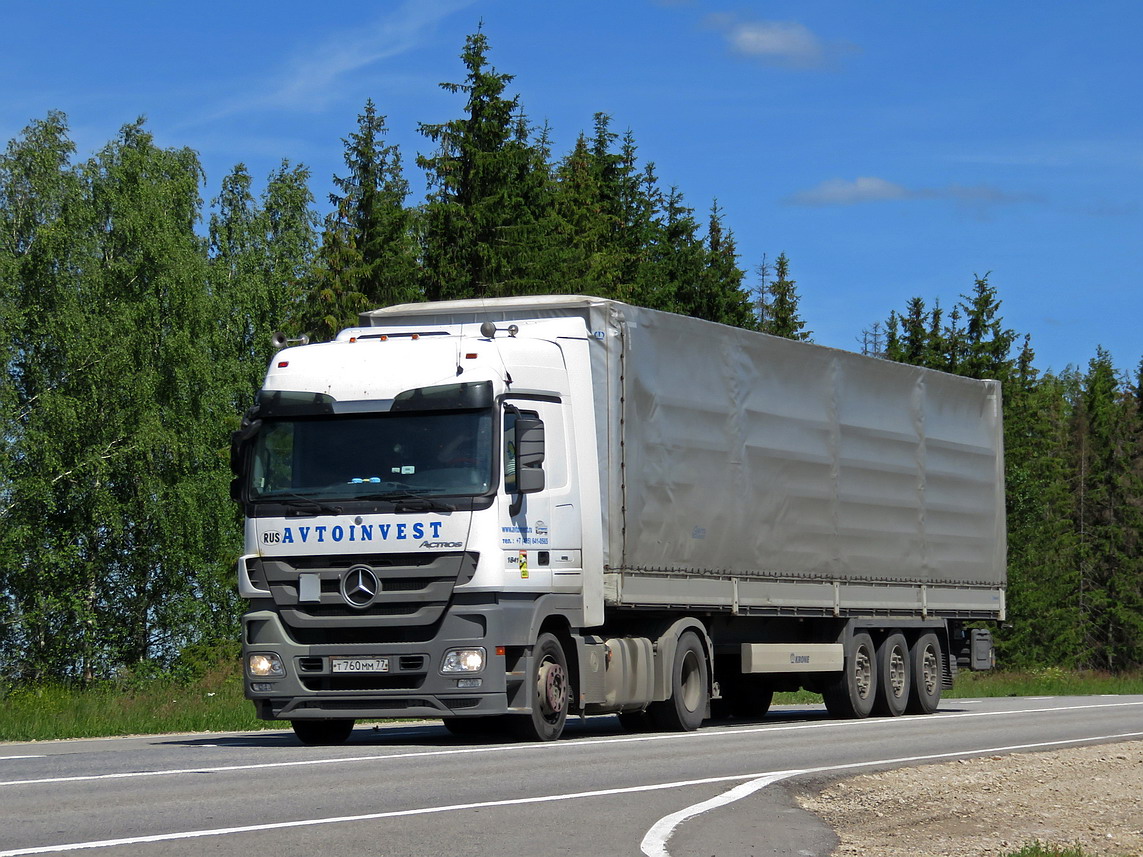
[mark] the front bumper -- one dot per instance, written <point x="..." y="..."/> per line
<point x="413" y="686"/>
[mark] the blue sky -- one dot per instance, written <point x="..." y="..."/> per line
<point x="890" y="149"/>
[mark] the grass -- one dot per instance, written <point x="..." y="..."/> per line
<point x="1035" y="849"/>
<point x="1049" y="681"/>
<point x="212" y="701"/>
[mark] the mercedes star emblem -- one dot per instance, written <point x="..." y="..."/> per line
<point x="360" y="586"/>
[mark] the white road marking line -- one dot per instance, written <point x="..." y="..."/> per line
<point x="568" y="746"/>
<point x="27" y="756"/>
<point x="311" y="822"/>
<point x="772" y="776"/>
<point x="654" y="844"/>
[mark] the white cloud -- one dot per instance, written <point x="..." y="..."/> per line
<point x="845" y="192"/>
<point x="782" y="43"/>
<point x="310" y="80"/>
<point x="978" y="199"/>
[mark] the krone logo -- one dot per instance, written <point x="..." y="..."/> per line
<point x="360" y="586"/>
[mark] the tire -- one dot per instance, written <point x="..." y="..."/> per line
<point x="551" y="692"/>
<point x="927" y="674"/>
<point x="322" y="733"/>
<point x="894" y="676"/>
<point x="853" y="691"/>
<point x="686" y="708"/>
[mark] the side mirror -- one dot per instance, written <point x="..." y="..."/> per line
<point x="239" y="441"/>
<point x="529" y="455"/>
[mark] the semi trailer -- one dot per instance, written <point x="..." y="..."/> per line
<point x="505" y="512"/>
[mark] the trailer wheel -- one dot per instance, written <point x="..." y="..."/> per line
<point x="322" y="733"/>
<point x="685" y="710"/>
<point x="551" y="692"/>
<point x="927" y="673"/>
<point x="852" y="693"/>
<point x="894" y="676"/>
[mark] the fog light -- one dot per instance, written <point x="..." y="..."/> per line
<point x="261" y="686"/>
<point x="469" y="682"/>
<point x="265" y="665"/>
<point x="463" y="661"/>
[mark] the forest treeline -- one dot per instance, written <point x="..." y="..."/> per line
<point x="135" y="323"/>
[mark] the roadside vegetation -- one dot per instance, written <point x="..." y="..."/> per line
<point x="1038" y="850"/>
<point x="204" y="694"/>
<point x="201" y="694"/>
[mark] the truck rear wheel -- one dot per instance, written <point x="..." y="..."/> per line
<point x="685" y="710"/>
<point x="852" y="693"/>
<point x="894" y="676"/>
<point x="551" y="692"/>
<point x="322" y="733"/>
<point x="927" y="674"/>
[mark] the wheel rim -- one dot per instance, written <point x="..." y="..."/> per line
<point x="691" y="681"/>
<point x="930" y="668"/>
<point x="863" y="673"/>
<point x="552" y="688"/>
<point x="897" y="678"/>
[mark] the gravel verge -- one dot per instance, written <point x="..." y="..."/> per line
<point x="1082" y="796"/>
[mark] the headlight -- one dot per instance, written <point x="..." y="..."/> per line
<point x="463" y="661"/>
<point x="265" y="665"/>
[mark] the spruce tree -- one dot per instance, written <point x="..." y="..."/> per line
<point x="779" y="314"/>
<point x="368" y="254"/>
<point x="261" y="261"/>
<point x="1109" y="519"/>
<point x="718" y="294"/>
<point x="987" y="343"/>
<point x="481" y="227"/>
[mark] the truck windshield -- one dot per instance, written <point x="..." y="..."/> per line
<point x="373" y="456"/>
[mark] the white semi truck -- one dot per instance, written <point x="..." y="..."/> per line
<point x="505" y="512"/>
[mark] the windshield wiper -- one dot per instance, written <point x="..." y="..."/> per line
<point x="301" y="501"/>
<point x="406" y="501"/>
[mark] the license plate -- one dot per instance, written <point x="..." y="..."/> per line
<point x="359" y="665"/>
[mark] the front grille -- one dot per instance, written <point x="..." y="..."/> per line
<point x="457" y="704"/>
<point x="377" y="705"/>
<point x="363" y="682"/>
<point x="415" y="590"/>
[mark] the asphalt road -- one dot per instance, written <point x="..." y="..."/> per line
<point x="416" y="790"/>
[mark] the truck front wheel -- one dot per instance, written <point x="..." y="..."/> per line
<point x="322" y="733"/>
<point x="551" y="692"/>
<point x="690" y="683"/>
